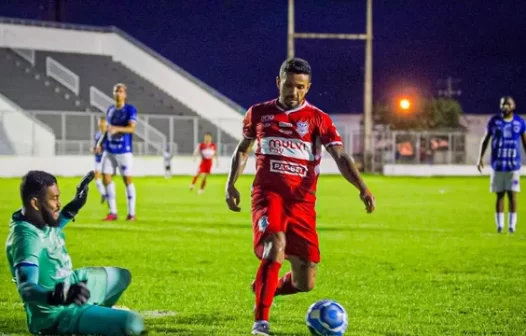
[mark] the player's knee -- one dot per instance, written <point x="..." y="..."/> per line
<point x="125" y="275"/>
<point x="128" y="180"/>
<point x="134" y="324"/>
<point x="106" y="178"/>
<point x="304" y="285"/>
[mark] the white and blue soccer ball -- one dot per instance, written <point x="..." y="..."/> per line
<point x="327" y="318"/>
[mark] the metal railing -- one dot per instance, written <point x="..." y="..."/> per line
<point x="62" y="75"/>
<point x="146" y="132"/>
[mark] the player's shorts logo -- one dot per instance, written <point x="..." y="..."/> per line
<point x="289" y="168"/>
<point x="302" y="127"/>
<point x="263" y="223"/>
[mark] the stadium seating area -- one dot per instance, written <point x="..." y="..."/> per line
<point x="5" y="147"/>
<point x="102" y="72"/>
<point x="30" y="88"/>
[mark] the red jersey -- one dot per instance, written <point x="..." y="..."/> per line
<point x="207" y="151"/>
<point x="288" y="152"/>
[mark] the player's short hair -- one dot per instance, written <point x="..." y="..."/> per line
<point x="118" y="86"/>
<point x="295" y="66"/>
<point x="34" y="184"/>
<point x="208" y="133"/>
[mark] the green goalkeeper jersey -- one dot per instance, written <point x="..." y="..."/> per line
<point x="45" y="248"/>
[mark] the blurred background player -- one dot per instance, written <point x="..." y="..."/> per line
<point x="505" y="131"/>
<point x="289" y="133"/>
<point x="57" y="299"/>
<point x="208" y="151"/>
<point x="98" y="159"/>
<point x="167" y="156"/>
<point x="118" y="154"/>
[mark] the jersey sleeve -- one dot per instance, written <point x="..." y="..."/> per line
<point x="329" y="135"/>
<point x="26" y="248"/>
<point x="132" y="114"/>
<point x="489" y="126"/>
<point x="523" y="126"/>
<point x="249" y="129"/>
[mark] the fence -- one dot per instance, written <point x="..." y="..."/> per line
<point x="74" y="132"/>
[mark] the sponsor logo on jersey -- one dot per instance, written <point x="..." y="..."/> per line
<point x="267" y="118"/>
<point x="265" y="125"/>
<point x="285" y="124"/>
<point x="292" y="148"/>
<point x="289" y="168"/>
<point x="286" y="131"/>
<point x="302" y="127"/>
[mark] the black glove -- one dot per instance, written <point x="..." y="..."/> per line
<point x="81" y="196"/>
<point x="63" y="295"/>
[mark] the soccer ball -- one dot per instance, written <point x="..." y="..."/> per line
<point x="326" y="318"/>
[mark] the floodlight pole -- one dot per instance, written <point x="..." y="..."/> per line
<point x="368" y="81"/>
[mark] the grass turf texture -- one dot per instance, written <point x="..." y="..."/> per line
<point x="428" y="262"/>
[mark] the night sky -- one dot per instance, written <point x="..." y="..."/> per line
<point x="237" y="46"/>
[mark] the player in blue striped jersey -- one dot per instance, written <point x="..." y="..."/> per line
<point x="506" y="131"/>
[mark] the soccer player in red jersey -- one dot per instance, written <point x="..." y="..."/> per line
<point x="208" y="151"/>
<point x="289" y="133"/>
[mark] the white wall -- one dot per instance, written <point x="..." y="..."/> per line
<point x="436" y="170"/>
<point x="112" y="44"/>
<point x="142" y="166"/>
<point x="26" y="135"/>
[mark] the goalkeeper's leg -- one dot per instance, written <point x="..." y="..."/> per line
<point x="106" y="284"/>
<point x="97" y="320"/>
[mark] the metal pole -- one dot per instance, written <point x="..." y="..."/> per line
<point x="368" y="90"/>
<point x="290" y="37"/>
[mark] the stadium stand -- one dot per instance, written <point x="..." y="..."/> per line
<point x="32" y="89"/>
<point x="5" y="146"/>
<point x="102" y="72"/>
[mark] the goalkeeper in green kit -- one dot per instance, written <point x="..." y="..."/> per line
<point x="57" y="299"/>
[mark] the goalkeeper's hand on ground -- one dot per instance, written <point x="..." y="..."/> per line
<point x="64" y="295"/>
<point x="81" y="196"/>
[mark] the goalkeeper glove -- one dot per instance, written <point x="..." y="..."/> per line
<point x="81" y="196"/>
<point x="64" y="295"/>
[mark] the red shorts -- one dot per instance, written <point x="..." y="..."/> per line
<point x="205" y="167"/>
<point x="271" y="214"/>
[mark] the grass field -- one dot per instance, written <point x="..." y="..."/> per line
<point x="428" y="262"/>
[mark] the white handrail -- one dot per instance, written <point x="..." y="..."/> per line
<point x="62" y="75"/>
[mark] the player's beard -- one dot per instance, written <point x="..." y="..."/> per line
<point x="506" y="113"/>
<point x="49" y="218"/>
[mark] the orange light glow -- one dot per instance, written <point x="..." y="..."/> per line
<point x="405" y="104"/>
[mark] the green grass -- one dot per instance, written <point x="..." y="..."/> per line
<point x="428" y="262"/>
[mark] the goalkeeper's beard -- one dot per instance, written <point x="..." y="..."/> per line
<point x="48" y="216"/>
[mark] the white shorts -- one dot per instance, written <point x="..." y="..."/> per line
<point x="98" y="166"/>
<point x="112" y="162"/>
<point x="505" y="181"/>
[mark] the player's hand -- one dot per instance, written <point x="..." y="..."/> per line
<point x="368" y="199"/>
<point x="112" y="129"/>
<point x="64" y="294"/>
<point x="233" y="198"/>
<point x="480" y="166"/>
<point x="98" y="149"/>
<point x="81" y="196"/>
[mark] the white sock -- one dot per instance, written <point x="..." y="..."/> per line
<point x="100" y="187"/>
<point x="112" y="201"/>
<point x="130" y="193"/>
<point x="512" y="220"/>
<point x="499" y="219"/>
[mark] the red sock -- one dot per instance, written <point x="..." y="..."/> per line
<point x="203" y="183"/>
<point x="285" y="286"/>
<point x="266" y="285"/>
<point x="195" y="179"/>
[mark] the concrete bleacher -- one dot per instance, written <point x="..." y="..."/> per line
<point x="102" y="72"/>
<point x="32" y="89"/>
